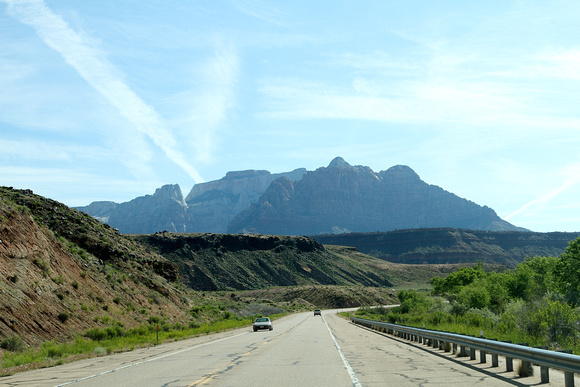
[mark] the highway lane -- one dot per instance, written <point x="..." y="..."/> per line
<point x="299" y="351"/>
<point x="302" y="350"/>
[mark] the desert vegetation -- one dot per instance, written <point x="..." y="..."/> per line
<point x="534" y="303"/>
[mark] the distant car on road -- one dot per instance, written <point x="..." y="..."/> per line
<point x="262" y="323"/>
<point x="317" y="312"/>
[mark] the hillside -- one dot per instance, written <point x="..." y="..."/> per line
<point x="64" y="272"/>
<point x="244" y="262"/>
<point x="449" y="246"/>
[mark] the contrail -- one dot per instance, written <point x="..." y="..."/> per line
<point x="542" y="200"/>
<point x="100" y="74"/>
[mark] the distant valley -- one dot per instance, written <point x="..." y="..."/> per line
<point x="339" y="198"/>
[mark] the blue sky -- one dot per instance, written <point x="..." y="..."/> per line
<point x="110" y="100"/>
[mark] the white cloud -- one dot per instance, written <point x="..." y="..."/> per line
<point x="260" y="10"/>
<point x="93" y="66"/>
<point x="476" y="103"/>
<point x="46" y="150"/>
<point x="559" y="64"/>
<point x="203" y="109"/>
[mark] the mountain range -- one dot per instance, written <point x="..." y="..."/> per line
<point x="339" y="198"/>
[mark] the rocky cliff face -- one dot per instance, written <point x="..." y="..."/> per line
<point x="165" y="210"/>
<point x="344" y="198"/>
<point x="209" y="207"/>
<point x="100" y="210"/>
<point x="214" y="204"/>
<point x="337" y="199"/>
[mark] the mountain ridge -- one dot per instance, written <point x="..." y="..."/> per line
<point x="342" y="198"/>
<point x="339" y="198"/>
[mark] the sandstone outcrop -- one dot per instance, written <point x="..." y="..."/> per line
<point x="343" y="198"/>
<point x="165" y="210"/>
<point x="214" y="204"/>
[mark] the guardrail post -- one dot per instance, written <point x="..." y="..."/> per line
<point x="568" y="376"/>
<point x="482" y="356"/>
<point x="509" y="362"/>
<point x="569" y="379"/>
<point x="463" y="351"/>
<point x="472" y="353"/>
<point x="454" y="350"/>
<point x="435" y="343"/>
<point x="544" y="370"/>
<point x="494" y="357"/>
<point x="525" y="366"/>
<point x="544" y="374"/>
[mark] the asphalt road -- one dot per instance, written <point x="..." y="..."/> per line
<point x="302" y="350"/>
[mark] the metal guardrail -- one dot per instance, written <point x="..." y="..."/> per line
<point x="566" y="362"/>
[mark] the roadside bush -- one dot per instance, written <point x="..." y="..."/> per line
<point x="98" y="334"/>
<point x="412" y="300"/>
<point x="555" y="320"/>
<point x="13" y="344"/>
<point x="440" y="317"/>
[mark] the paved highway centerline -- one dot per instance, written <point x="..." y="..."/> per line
<point x="355" y="381"/>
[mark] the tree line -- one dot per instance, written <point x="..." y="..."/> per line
<point x="536" y="303"/>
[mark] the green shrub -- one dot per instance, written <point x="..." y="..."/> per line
<point x="13" y="344"/>
<point x="475" y="295"/>
<point x="63" y="317"/>
<point x="98" y="334"/>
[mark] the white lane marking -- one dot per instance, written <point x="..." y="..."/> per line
<point x="353" y="377"/>
<point x="148" y="360"/>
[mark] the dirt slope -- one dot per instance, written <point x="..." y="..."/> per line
<point x="51" y="287"/>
